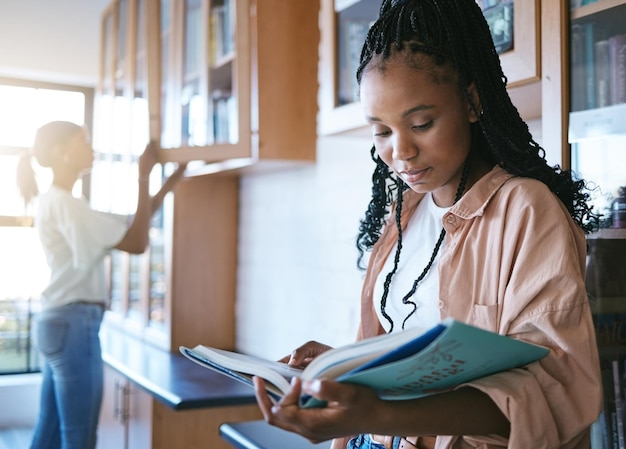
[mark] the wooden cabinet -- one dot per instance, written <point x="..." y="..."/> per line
<point x="204" y="73"/>
<point x="344" y="25"/>
<point x="125" y="415"/>
<point x="131" y="418"/>
<point x="123" y="125"/>
<point x="226" y="83"/>
<point x="154" y="399"/>
<point x="239" y="81"/>
<point x="597" y="127"/>
<point x="232" y="83"/>
<point x="121" y="131"/>
<point x="187" y="290"/>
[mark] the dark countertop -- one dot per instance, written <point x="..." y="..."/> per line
<point x="170" y="377"/>
<point x="260" y="435"/>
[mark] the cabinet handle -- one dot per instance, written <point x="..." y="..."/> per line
<point x="121" y="402"/>
<point x="126" y="408"/>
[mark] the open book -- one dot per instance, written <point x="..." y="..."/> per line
<point x="401" y="365"/>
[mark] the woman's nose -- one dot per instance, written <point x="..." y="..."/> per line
<point x="404" y="148"/>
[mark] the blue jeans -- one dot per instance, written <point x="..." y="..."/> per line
<point x="364" y="441"/>
<point x="71" y="392"/>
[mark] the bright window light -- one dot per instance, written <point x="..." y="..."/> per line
<point x="24" y="109"/>
<point x="23" y="269"/>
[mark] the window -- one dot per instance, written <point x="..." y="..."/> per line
<point x="24" y="107"/>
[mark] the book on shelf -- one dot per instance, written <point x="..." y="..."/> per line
<point x="577" y="61"/>
<point x="590" y="68"/>
<point x="608" y="431"/>
<point x="619" y="406"/>
<point x="617" y="56"/>
<point x="401" y="365"/>
<point x="222" y="29"/>
<point x="598" y="67"/>
<point x="602" y="73"/>
<point x="600" y="438"/>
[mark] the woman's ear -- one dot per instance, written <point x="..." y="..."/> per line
<point x="61" y="154"/>
<point x="474" y="107"/>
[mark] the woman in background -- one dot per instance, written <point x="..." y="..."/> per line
<point x="467" y="220"/>
<point x="75" y="240"/>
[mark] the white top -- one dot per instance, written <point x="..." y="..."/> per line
<point x="75" y="240"/>
<point x="418" y="242"/>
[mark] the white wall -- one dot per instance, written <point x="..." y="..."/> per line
<point x="51" y="40"/>
<point x="297" y="277"/>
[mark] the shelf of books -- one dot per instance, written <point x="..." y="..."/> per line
<point x="200" y="79"/>
<point x="232" y="70"/>
<point x="597" y="137"/>
<point x="597" y="129"/>
<point x="606" y="286"/>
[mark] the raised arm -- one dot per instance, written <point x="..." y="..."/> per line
<point x="137" y="237"/>
<point x="168" y="186"/>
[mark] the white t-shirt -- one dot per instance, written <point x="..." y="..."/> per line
<point x="418" y="242"/>
<point x="75" y="240"/>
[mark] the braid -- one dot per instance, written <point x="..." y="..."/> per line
<point x="455" y="32"/>
<point x="384" y="183"/>
<point x="396" y="261"/>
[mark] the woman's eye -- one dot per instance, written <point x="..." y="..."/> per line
<point x="381" y="133"/>
<point x="423" y="126"/>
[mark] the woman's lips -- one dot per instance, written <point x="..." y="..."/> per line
<point x="413" y="176"/>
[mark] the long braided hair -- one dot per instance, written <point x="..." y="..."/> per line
<point x="455" y="32"/>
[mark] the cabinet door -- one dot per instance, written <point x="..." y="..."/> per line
<point x="597" y="129"/>
<point x="597" y="137"/>
<point x="205" y="82"/>
<point x="344" y="27"/>
<point x="112" y="428"/>
<point x="126" y="414"/>
<point x="140" y="418"/>
<point x="127" y="117"/>
<point x="240" y="84"/>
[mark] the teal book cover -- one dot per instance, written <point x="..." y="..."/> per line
<point x="448" y="355"/>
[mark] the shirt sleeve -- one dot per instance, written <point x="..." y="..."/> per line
<point x="89" y="233"/>
<point x="550" y="403"/>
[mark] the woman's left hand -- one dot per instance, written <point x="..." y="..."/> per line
<point x="348" y="409"/>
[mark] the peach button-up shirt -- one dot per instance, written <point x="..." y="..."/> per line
<point x="514" y="263"/>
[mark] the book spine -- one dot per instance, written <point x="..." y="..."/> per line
<point x="619" y="408"/>
<point x="577" y="53"/>
<point x="599" y="438"/>
<point x="590" y="78"/>
<point x="603" y="74"/>
<point x="609" y="420"/>
<point x="617" y="52"/>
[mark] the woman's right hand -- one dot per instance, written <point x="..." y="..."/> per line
<point x="148" y="159"/>
<point x="303" y="355"/>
